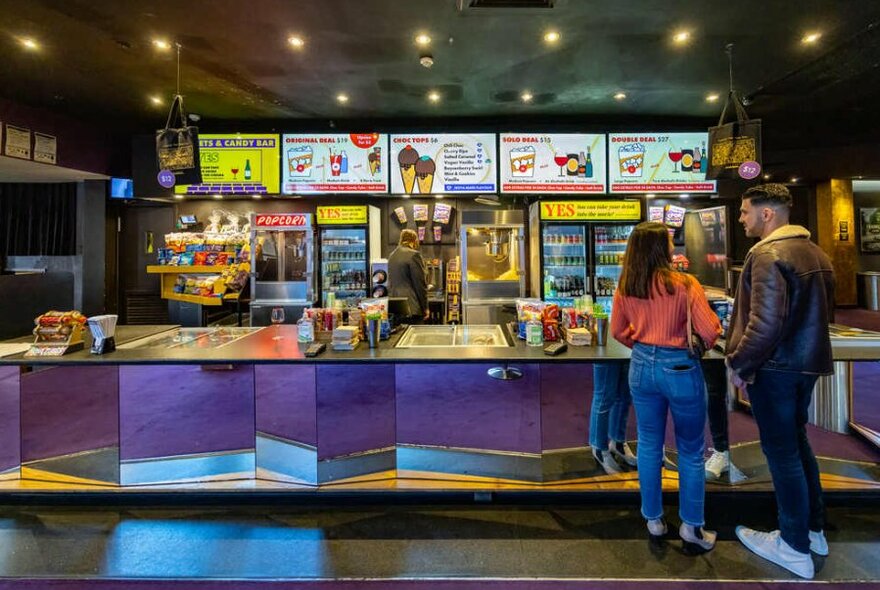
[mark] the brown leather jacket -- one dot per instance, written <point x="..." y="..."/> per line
<point x="784" y="303"/>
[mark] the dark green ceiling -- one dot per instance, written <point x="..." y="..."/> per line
<point x="97" y="60"/>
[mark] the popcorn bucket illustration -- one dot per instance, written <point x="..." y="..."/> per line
<point x="522" y="162"/>
<point x="299" y="161"/>
<point x="631" y="159"/>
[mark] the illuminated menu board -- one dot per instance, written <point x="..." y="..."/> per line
<point x="658" y="163"/>
<point x="345" y="163"/>
<point x="433" y="164"/>
<point x="240" y="164"/>
<point x="550" y="164"/>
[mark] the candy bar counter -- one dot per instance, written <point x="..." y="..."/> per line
<point x="236" y="407"/>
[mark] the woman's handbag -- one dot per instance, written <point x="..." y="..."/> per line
<point x="696" y="346"/>
<point x="177" y="148"/>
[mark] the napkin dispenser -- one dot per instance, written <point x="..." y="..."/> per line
<point x="103" y="328"/>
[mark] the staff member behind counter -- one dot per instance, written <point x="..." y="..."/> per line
<point x="406" y="276"/>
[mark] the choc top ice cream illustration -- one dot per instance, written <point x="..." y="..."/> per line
<point x="425" y="169"/>
<point x="299" y="161"/>
<point x="407" y="159"/>
<point x="375" y="161"/>
<point x="631" y="159"/>
<point x="522" y="161"/>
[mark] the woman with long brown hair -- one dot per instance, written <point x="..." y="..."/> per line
<point x="650" y="315"/>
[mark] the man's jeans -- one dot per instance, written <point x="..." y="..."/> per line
<point x="779" y="403"/>
<point x="666" y="380"/>
<point x="611" y="401"/>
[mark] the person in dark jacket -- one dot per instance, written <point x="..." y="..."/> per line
<point x="777" y="346"/>
<point x="406" y="276"/>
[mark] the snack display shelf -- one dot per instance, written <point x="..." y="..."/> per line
<point x="182" y="270"/>
<point x="197" y="299"/>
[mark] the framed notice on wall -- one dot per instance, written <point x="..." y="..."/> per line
<point x="18" y="142"/>
<point x="869" y="230"/>
<point x="561" y="163"/>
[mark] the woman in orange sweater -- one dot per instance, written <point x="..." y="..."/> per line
<point x="650" y="316"/>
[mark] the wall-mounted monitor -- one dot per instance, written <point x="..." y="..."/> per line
<point x="552" y="163"/>
<point x="121" y="188"/>
<point x="352" y="163"/>
<point x="658" y="163"/>
<point x="240" y="164"/>
<point x="431" y="164"/>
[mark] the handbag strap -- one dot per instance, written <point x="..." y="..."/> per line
<point x="741" y="115"/>
<point x="176" y="109"/>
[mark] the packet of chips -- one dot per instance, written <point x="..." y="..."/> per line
<point x="420" y="212"/>
<point x="421" y="230"/>
<point x="438" y="232"/>
<point x="400" y="213"/>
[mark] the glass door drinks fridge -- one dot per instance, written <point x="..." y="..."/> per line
<point x="564" y="261"/>
<point x="609" y="246"/>
<point x="348" y="239"/>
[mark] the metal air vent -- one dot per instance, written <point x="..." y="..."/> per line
<point x="464" y="5"/>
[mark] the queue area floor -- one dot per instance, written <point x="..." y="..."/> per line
<point x="576" y="542"/>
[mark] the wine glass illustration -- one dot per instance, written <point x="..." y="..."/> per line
<point x="277" y="319"/>
<point x="234" y="172"/>
<point x="675" y="156"/>
<point x="560" y="160"/>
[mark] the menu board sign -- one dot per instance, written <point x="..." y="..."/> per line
<point x="345" y="163"/>
<point x="342" y="215"/>
<point x="429" y="164"/>
<point x="559" y="163"/>
<point x="658" y="163"/>
<point x="591" y="210"/>
<point x="240" y="164"/>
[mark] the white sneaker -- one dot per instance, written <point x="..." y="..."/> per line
<point x="772" y="547"/>
<point x="622" y="453"/>
<point x="818" y="544"/>
<point x="606" y="462"/>
<point x="716" y="464"/>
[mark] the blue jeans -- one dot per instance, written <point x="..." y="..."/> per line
<point x="779" y="403"/>
<point x="667" y="380"/>
<point x="611" y="401"/>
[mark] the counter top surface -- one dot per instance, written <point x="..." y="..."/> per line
<point x="261" y="347"/>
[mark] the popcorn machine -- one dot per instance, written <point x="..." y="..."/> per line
<point x="282" y="265"/>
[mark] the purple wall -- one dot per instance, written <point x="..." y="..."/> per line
<point x="10" y="416"/>
<point x="80" y="145"/>
<point x="167" y="410"/>
<point x="355" y="408"/>
<point x="286" y="403"/>
<point x="461" y="406"/>
<point x="67" y="410"/>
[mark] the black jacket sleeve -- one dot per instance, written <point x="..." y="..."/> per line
<point x="419" y="281"/>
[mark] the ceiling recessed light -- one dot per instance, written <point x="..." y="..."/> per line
<point x="811" y="38"/>
<point x="438" y="196"/>
<point x="161" y="44"/>
<point x="29" y="44"/>
<point x="178" y="196"/>
<point x="794" y="179"/>
<point x="423" y="40"/>
<point x="526" y="96"/>
<point x="342" y="98"/>
<point x="551" y="37"/>
<point x="766" y="177"/>
<point x="681" y="37"/>
<point x="712" y="97"/>
<point x="296" y="41"/>
<point x="650" y="196"/>
<point x="256" y="197"/>
<point x="156" y="100"/>
<point x="434" y="96"/>
<point x="218" y="196"/>
<point x="684" y="196"/>
<point x="620" y="96"/>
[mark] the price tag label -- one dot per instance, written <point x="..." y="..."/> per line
<point x="749" y="170"/>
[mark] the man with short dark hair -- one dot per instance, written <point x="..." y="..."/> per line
<point x="777" y="346"/>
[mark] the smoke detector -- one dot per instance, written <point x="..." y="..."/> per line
<point x="426" y="60"/>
